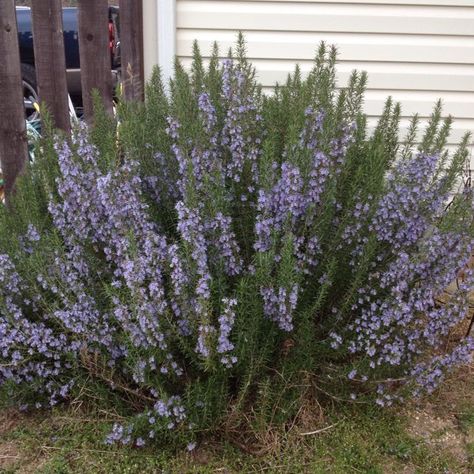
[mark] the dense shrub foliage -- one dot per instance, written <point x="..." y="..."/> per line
<point x="221" y="251"/>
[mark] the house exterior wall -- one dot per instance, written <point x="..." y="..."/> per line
<point x="417" y="51"/>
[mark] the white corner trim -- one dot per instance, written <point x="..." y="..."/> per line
<point x="150" y="54"/>
<point x="166" y="37"/>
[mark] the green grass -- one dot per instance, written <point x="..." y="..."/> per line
<point x="466" y="419"/>
<point x="433" y="436"/>
<point x="364" y="440"/>
<point x="466" y="424"/>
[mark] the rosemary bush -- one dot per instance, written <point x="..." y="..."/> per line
<point x="217" y="251"/>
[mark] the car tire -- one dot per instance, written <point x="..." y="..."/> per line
<point x="30" y="91"/>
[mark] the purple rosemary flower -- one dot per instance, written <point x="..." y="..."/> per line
<point x="208" y="111"/>
<point x="191" y="230"/>
<point x="279" y="306"/>
<point x="226" y="323"/>
<point x="226" y="244"/>
<point x="283" y="206"/>
<point x="238" y="133"/>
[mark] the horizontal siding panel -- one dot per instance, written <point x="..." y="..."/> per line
<point x="456" y="104"/>
<point x="396" y="76"/>
<point x="299" y="46"/>
<point x="458" y="130"/>
<point x="333" y="17"/>
<point x="414" y="103"/>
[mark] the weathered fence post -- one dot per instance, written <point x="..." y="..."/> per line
<point x="13" y="144"/>
<point x="50" y="61"/>
<point x="95" y="54"/>
<point x="131" y="48"/>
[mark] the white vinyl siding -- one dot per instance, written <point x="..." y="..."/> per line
<point x="417" y="51"/>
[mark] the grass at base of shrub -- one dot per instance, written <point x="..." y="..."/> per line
<point x="433" y="436"/>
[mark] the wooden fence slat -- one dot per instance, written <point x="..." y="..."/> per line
<point x="131" y="49"/>
<point x="94" y="54"/>
<point x="13" y="143"/>
<point x="50" y="61"/>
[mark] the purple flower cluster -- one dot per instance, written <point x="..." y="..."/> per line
<point x="399" y="316"/>
<point x="226" y="244"/>
<point x="395" y="328"/>
<point x="295" y="201"/>
<point x="428" y="375"/>
<point x="226" y="323"/>
<point x="282" y="206"/>
<point x="191" y="229"/>
<point x="410" y="202"/>
<point x="34" y="351"/>
<point x="28" y="241"/>
<point x="241" y="118"/>
<point x="280" y="305"/>
<point x="208" y="111"/>
<point x="165" y="415"/>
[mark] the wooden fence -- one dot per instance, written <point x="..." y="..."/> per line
<point x="95" y="60"/>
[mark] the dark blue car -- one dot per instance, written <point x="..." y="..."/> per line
<point x="71" y="46"/>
